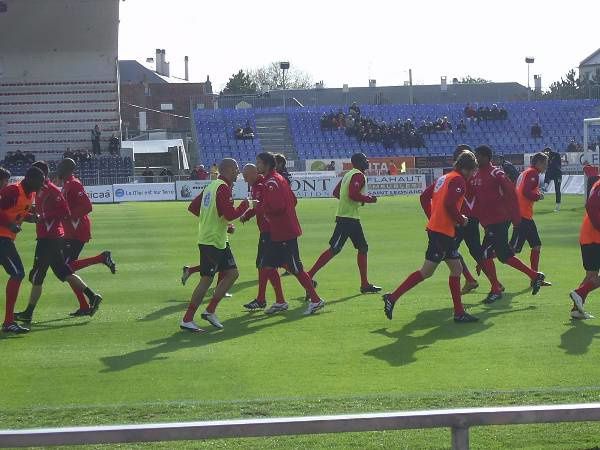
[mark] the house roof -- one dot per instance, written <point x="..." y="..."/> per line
<point x="131" y="71"/>
<point x="592" y="60"/>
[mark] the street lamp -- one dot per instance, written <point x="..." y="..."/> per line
<point x="529" y="60"/>
<point x="284" y="65"/>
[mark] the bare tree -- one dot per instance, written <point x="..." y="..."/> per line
<point x="270" y="77"/>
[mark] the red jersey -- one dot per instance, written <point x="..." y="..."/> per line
<point x="528" y="191"/>
<point x="256" y="193"/>
<point x="77" y="224"/>
<point x="590" y="228"/>
<point x="590" y="171"/>
<point x="52" y="209"/>
<point x="279" y="208"/>
<point x="495" y="197"/>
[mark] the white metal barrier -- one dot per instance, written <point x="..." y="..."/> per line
<point x="459" y="420"/>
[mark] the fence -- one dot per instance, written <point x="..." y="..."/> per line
<point x="458" y="420"/>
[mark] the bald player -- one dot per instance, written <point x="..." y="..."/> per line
<point x="214" y="208"/>
<point x="257" y="186"/>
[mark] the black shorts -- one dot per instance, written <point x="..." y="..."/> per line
<point x="590" y="255"/>
<point x="284" y="253"/>
<point x="49" y="253"/>
<point x="214" y="260"/>
<point x="440" y="248"/>
<point x="263" y="242"/>
<point x="73" y="249"/>
<point x="525" y="232"/>
<point x="496" y="241"/>
<point x="348" y="228"/>
<point x="11" y="261"/>
<point x="471" y="237"/>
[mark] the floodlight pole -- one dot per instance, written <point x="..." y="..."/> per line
<point x="284" y="65"/>
<point x="529" y="60"/>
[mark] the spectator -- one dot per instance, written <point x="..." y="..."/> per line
<point x="239" y="133"/>
<point x="148" y="175"/>
<point x="96" y="140"/>
<point x="574" y="146"/>
<point x="214" y="172"/>
<point x="354" y="110"/>
<point x="536" y="131"/>
<point x="202" y="173"/>
<point x="392" y="169"/>
<point x="166" y="174"/>
<point x="331" y="166"/>
<point x="248" y="132"/>
<point x="461" y="127"/>
<point x="470" y="112"/>
<point x="114" y="146"/>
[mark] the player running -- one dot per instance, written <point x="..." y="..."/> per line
<point x="215" y="212"/>
<point x="589" y="239"/>
<point x="468" y="233"/>
<point x="279" y="208"/>
<point x="50" y="209"/>
<point x="350" y="192"/>
<point x="448" y="196"/>
<point x="496" y="207"/>
<point x="15" y="208"/>
<point x="256" y="183"/>
<point x="528" y="192"/>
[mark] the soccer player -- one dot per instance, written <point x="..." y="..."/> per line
<point x="351" y="194"/>
<point x="279" y="207"/>
<point x="589" y="239"/>
<point x="496" y="207"/>
<point x="4" y="177"/>
<point x="78" y="228"/>
<point x="256" y="183"/>
<point x="15" y="208"/>
<point x="215" y="213"/>
<point x="51" y="208"/>
<point x="528" y="192"/>
<point x="554" y="174"/>
<point x="448" y="196"/>
<point x="469" y="233"/>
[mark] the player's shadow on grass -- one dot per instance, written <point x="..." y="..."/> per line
<point x="240" y="326"/>
<point x="578" y="338"/>
<point x="179" y="306"/>
<point x="440" y="326"/>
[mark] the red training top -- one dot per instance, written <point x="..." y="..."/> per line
<point x="528" y="191"/>
<point x="279" y="208"/>
<point x="590" y="171"/>
<point x="52" y="209"/>
<point x="77" y="224"/>
<point x="590" y="228"/>
<point x="495" y="197"/>
<point x="256" y="193"/>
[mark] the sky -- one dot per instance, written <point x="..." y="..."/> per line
<point x="354" y="41"/>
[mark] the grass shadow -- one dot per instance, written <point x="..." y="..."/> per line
<point x="236" y="327"/>
<point x="404" y="346"/>
<point x="578" y="338"/>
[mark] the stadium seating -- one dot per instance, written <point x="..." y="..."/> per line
<point x="561" y="120"/>
<point x="99" y="170"/>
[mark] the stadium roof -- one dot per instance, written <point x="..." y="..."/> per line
<point x="592" y="60"/>
<point x="131" y="71"/>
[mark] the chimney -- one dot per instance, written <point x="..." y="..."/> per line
<point x="165" y="64"/>
<point x="187" y="68"/>
<point x="157" y="61"/>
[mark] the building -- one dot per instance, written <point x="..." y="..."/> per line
<point x="590" y="67"/>
<point x="152" y="99"/>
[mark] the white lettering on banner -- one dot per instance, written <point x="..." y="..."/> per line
<point x="100" y="194"/>
<point x="571" y="158"/>
<point x="190" y="189"/>
<point x="396" y="185"/>
<point x="144" y="192"/>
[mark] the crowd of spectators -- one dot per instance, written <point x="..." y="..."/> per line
<point x="441" y="125"/>
<point x="485" y="113"/>
<point x="336" y="120"/>
<point x="78" y="156"/>
<point x="243" y="133"/>
<point x="18" y="157"/>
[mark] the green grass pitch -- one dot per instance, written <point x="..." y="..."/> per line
<point x="131" y="363"/>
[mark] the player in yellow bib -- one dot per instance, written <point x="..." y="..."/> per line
<point x="351" y="194"/>
<point x="214" y="207"/>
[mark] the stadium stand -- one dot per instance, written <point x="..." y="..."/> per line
<point x="560" y="120"/>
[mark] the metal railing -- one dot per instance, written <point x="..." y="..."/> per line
<point x="458" y="420"/>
